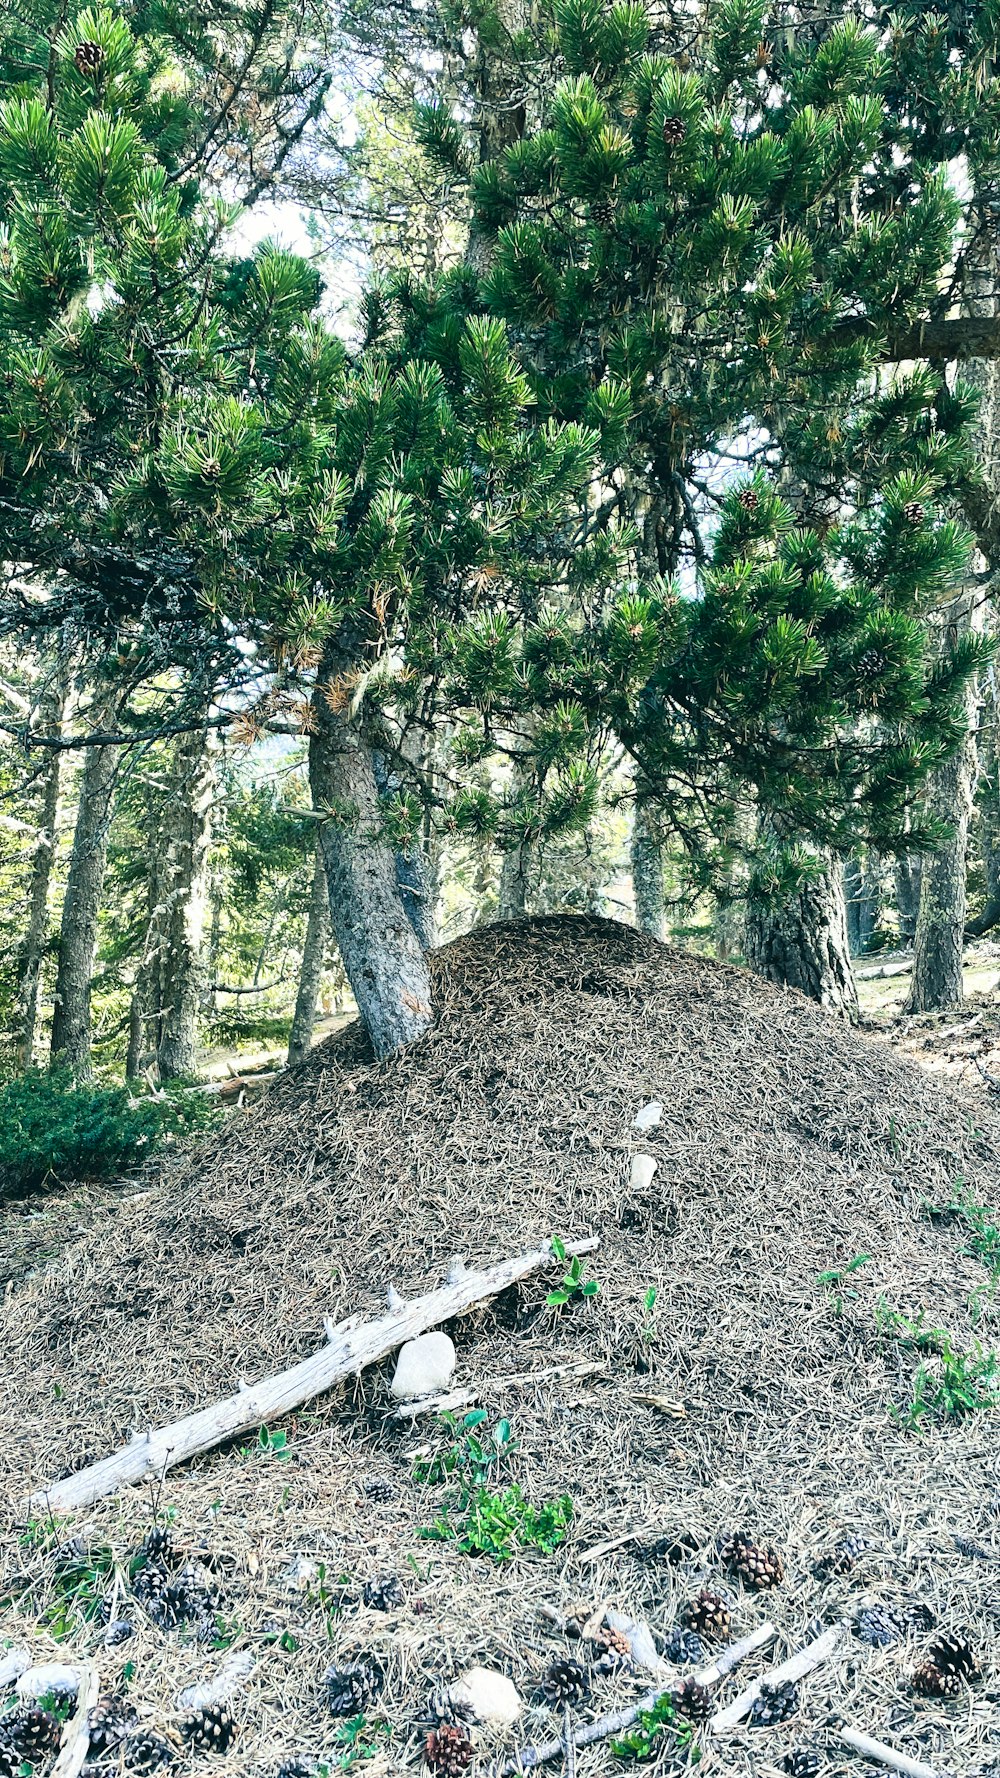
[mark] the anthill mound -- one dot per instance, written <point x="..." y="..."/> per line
<point x="788" y="1145"/>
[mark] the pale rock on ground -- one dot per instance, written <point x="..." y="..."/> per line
<point x="492" y="1697"/>
<point x="425" y="1366"/>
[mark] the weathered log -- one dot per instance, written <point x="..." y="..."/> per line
<point x="349" y="1349"/>
<point x="886" y="1756"/>
<point x="794" y="1668"/>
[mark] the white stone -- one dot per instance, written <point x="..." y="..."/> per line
<point x="648" y="1116"/>
<point x="13" y="1664"/>
<point x="54" y="1677"/>
<point x="491" y="1696"/>
<point x="643" y="1168"/>
<point x="425" y="1366"/>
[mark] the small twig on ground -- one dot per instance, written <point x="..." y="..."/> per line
<point x="570" y="1743"/>
<point x="886" y="1756"/>
<point x="461" y="1398"/>
<point x="76" y="1734"/>
<point x="794" y="1668"/>
<point x="994" y="1085"/>
<point x="530" y="1757"/>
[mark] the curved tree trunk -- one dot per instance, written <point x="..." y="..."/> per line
<point x="647" y="873"/>
<point x="311" y="970"/>
<point x="188" y="835"/>
<point x="802" y="943"/>
<point x="384" y="961"/>
<point x="78" y="930"/>
<point x="36" y="937"/>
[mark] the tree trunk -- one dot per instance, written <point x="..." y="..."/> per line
<point x="37" y="934"/>
<point x="311" y="971"/>
<point x="852" y="903"/>
<point x="513" y="893"/>
<point x="413" y="874"/>
<point x="188" y="834"/>
<point x="863" y="894"/>
<point x="939" y="939"/>
<point x="802" y="943"/>
<point x="382" y="956"/>
<point x="989" y="811"/>
<point x="647" y="873"/>
<point x="908" y="895"/>
<point x="78" y="930"/>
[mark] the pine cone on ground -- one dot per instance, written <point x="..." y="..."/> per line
<point x="69" y="1555"/>
<point x="915" y="1615"/>
<point x="952" y="1652"/>
<point x="802" y="1762"/>
<point x="612" y="1649"/>
<point x="566" y="1682"/>
<point x="378" y="1488"/>
<point x="913" y="512"/>
<point x="145" y="1752"/>
<point x="848" y="1552"/>
<point x="671" y="1550"/>
<point x="932" y="1683"/>
<point x="118" y="1631"/>
<point x="443" y="1707"/>
<point x="878" y="1626"/>
<point x="693" y="1700"/>
<point x="350" y="1689"/>
<point x="684" y="1648"/>
<point x="776" y="1703"/>
<point x="88" y="60"/>
<point x="158" y="1546"/>
<point x="758" y="1565"/>
<point x="210" y="1730"/>
<point x="383" y="1594"/>
<point x="108" y="1724"/>
<point x="32" y="1731"/>
<point x="10" y="1762"/>
<point x="708" y="1614"/>
<point x="674" y="131"/>
<point x="294" y="1768"/>
<point x="448" y="1750"/>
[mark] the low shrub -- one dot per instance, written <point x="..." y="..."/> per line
<point x="52" y="1129"/>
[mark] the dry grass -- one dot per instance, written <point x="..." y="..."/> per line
<point x="788" y="1144"/>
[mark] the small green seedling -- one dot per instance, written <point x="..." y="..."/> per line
<point x="833" y="1281"/>
<point x="658" y="1730"/>
<point x="475" y="1453"/>
<point x="273" y="1444"/>
<point x="574" y="1287"/>
<point x="503" y="1525"/>
<point x="648" y="1329"/>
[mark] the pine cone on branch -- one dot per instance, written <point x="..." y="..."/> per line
<point x="674" y="131"/>
<point x="88" y="60"/>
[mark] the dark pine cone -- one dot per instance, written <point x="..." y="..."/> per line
<point x="602" y="211"/>
<point x="954" y="1653"/>
<point x="69" y="1555"/>
<point x="674" y="131"/>
<point x="802" y="1762"/>
<point x="349" y="1690"/>
<point x="448" y="1750"/>
<point x="146" y="1752"/>
<point x="377" y="1488"/>
<point x="878" y="1626"/>
<point x="612" y="1649"/>
<point x="108" y="1724"/>
<point x="845" y="1555"/>
<point x="915" y="1615"/>
<point x="757" y="1564"/>
<point x="32" y="1731"/>
<point x="294" y="1768"/>
<point x="10" y="1762"/>
<point x="708" y="1614"/>
<point x="932" y="1683"/>
<point x="566" y="1682"/>
<point x="88" y="59"/>
<point x="384" y="1593"/>
<point x="672" y="1550"/>
<point x="913" y="512"/>
<point x="775" y="1704"/>
<point x="693" y="1700"/>
<point x="118" y="1631"/>
<point x="749" y="500"/>
<point x="158" y="1546"/>
<point x="684" y="1648"/>
<point x="443" y="1707"/>
<point x="211" y="1729"/>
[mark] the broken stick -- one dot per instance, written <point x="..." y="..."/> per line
<point x="886" y="1756"/>
<point x="794" y="1668"/>
<point x="76" y="1733"/>
<point x="348" y="1350"/>
<point x="530" y="1757"/>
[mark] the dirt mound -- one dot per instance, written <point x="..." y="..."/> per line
<point x="788" y="1145"/>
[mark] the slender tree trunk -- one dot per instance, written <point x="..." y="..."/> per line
<point x="71" y="1033"/>
<point x="513" y="895"/>
<point x="908" y="871"/>
<point x="988" y="810"/>
<point x="939" y="939"/>
<point x="37" y="934"/>
<point x="413" y="873"/>
<point x="802" y="943"/>
<point x="384" y="961"/>
<point x="188" y="834"/>
<point x="311" y="971"/>
<point x="852" y="903"/>
<point x="647" y="873"/>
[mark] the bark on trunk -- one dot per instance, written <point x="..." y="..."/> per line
<point x="513" y="893"/>
<point x="71" y="1031"/>
<point x="907" y="896"/>
<point x="382" y="956"/>
<point x="37" y="934"/>
<point x="647" y="874"/>
<point x="989" y="815"/>
<point x="863" y="894"/>
<point x="938" y="942"/>
<point x="311" y="971"/>
<point x="413" y="874"/>
<point x="802" y="943"/>
<point x="188" y="834"/>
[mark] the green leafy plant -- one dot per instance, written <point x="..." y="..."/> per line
<point x="273" y="1444"/>
<point x="475" y="1453"/>
<point x="359" y="1740"/>
<point x="52" y="1129"/>
<point x="656" y="1731"/>
<point x="503" y="1525"/>
<point x="978" y="1220"/>
<point x="575" y="1287"/>
<point x="833" y="1281"/>
<point x="958" y="1381"/>
<point x="647" y="1332"/>
<point x="330" y="1596"/>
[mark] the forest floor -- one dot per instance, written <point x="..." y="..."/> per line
<point x="961" y="1045"/>
<point x="738" y="1376"/>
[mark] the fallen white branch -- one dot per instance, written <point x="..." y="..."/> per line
<point x="794" y="1668"/>
<point x="348" y="1350"/>
<point x="76" y="1735"/>
<point x="886" y="1756"/>
<point x="530" y="1757"/>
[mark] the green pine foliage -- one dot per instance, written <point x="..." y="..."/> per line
<point x="52" y="1130"/>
